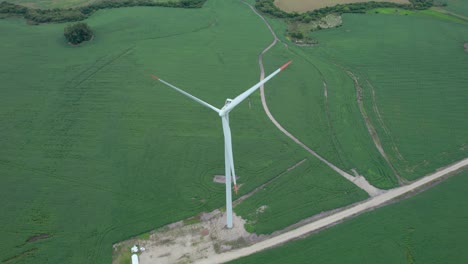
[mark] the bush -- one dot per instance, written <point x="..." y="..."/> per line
<point x="77" y="33"/>
<point x="80" y="13"/>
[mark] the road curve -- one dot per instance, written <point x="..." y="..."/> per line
<point x="360" y="181"/>
<point x="335" y="218"/>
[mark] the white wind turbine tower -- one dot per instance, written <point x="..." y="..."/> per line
<point x="224" y="114"/>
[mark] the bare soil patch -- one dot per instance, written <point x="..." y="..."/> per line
<point x="186" y="243"/>
<point x="222" y="178"/>
<point x="308" y="5"/>
<point x="466" y="46"/>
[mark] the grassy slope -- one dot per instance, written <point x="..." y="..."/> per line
<point x="431" y="227"/>
<point x="94" y="151"/>
<point x="422" y="105"/>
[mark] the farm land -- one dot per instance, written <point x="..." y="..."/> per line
<point x="398" y="233"/>
<point x="94" y="152"/>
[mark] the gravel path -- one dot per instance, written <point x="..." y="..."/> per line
<point x="335" y="218"/>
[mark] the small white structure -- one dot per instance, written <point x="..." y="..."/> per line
<point x="134" y="250"/>
<point x="135" y="259"/>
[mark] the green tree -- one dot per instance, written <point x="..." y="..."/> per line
<point x="77" y="33"/>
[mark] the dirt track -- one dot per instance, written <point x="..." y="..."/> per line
<point x="334" y="218"/>
<point x="360" y="181"/>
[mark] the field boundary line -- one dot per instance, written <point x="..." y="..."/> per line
<point x="247" y="195"/>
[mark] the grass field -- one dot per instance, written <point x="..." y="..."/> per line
<point x="431" y="227"/>
<point x="423" y="124"/>
<point x="417" y="109"/>
<point x="93" y="151"/>
<point x="332" y="124"/>
<point x="308" y="5"/>
<point x="307" y="190"/>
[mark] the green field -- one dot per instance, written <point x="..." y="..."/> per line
<point x="431" y="227"/>
<point x="305" y="191"/>
<point x="93" y="151"/>
<point x="421" y="121"/>
<point x="422" y="107"/>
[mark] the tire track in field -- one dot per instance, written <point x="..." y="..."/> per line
<point x="214" y="22"/>
<point x="336" y="143"/>
<point x="359" y="181"/>
<point x="247" y="195"/>
<point x="382" y="123"/>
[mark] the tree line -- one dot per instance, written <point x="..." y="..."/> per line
<point x="80" y="13"/>
<point x="268" y="6"/>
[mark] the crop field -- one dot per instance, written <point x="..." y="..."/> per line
<point x="308" y="5"/>
<point x="421" y="109"/>
<point x="305" y="191"/>
<point x="427" y="228"/>
<point x="435" y="12"/>
<point x="62" y="3"/>
<point x="456" y="6"/>
<point x="94" y="151"/>
<point x="320" y="108"/>
<point x="417" y="109"/>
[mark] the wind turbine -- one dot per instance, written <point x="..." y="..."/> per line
<point x="224" y="114"/>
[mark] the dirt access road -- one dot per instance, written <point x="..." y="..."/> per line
<point x="373" y="202"/>
<point x="360" y="181"/>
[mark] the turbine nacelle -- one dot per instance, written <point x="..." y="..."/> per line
<point x="223" y="111"/>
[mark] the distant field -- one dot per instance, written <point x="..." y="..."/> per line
<point x="62" y="4"/>
<point x="421" y="109"/>
<point x="429" y="228"/>
<point x="457" y="6"/>
<point x="308" y="5"/>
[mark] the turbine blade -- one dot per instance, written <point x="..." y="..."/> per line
<point x="186" y="94"/>
<point x="246" y="94"/>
